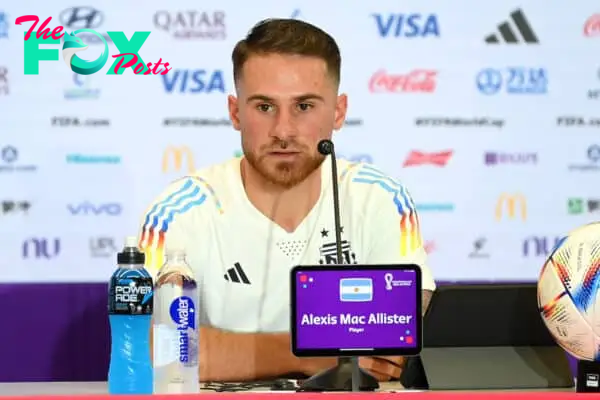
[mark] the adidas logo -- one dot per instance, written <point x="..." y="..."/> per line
<point x="506" y="31"/>
<point x="236" y="275"/>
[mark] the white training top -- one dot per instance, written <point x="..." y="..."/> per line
<point x="242" y="260"/>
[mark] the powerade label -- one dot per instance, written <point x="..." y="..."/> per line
<point x="183" y="313"/>
<point x="130" y="292"/>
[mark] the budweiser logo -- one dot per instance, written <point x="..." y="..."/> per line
<point x="438" y="159"/>
<point x="419" y="80"/>
<point x="592" y="26"/>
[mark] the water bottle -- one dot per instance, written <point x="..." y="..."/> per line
<point x="176" y="327"/>
<point x="130" y="306"/>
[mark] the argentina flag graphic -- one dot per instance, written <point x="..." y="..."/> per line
<point x="356" y="289"/>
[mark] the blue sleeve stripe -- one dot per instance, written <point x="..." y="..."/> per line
<point x="178" y="202"/>
<point x="372" y="176"/>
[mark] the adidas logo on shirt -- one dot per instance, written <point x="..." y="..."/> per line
<point x="236" y="275"/>
<point x="508" y="32"/>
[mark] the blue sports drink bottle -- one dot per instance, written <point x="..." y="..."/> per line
<point x="130" y="306"/>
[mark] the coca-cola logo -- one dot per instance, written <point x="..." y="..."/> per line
<point x="419" y="80"/>
<point x="592" y="26"/>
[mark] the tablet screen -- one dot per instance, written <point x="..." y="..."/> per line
<point x="360" y="310"/>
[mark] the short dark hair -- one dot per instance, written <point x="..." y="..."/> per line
<point x="289" y="37"/>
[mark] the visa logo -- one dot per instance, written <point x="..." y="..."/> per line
<point x="407" y="25"/>
<point x="194" y="81"/>
<point x="87" y="208"/>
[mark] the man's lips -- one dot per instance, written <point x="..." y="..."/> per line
<point x="283" y="153"/>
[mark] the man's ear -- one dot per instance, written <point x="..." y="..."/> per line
<point x="341" y="107"/>
<point x="234" y="111"/>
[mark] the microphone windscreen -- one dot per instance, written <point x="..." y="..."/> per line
<point x="325" y="147"/>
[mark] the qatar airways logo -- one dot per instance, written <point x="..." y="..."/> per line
<point x="417" y="81"/>
<point x="439" y="159"/>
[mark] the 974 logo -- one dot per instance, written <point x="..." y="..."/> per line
<point x="128" y="56"/>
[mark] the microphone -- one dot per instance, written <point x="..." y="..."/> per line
<point x="347" y="375"/>
<point x="326" y="148"/>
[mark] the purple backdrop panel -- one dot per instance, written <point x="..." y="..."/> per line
<point x="57" y="332"/>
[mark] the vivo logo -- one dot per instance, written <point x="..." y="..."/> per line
<point x="41" y="248"/>
<point x="87" y="208"/>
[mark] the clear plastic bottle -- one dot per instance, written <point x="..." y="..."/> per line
<point x="130" y="306"/>
<point x="176" y="327"/>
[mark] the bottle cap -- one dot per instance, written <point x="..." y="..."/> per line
<point x="173" y="249"/>
<point x="131" y="254"/>
<point x="131" y="241"/>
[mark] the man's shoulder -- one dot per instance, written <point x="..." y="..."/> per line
<point x="367" y="179"/>
<point x="201" y="190"/>
<point x="370" y="188"/>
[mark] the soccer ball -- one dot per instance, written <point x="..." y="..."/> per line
<point x="569" y="292"/>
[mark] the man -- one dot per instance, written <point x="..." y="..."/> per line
<point x="245" y="223"/>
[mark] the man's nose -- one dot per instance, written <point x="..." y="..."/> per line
<point x="284" y="125"/>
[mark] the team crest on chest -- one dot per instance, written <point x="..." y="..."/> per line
<point x="328" y="249"/>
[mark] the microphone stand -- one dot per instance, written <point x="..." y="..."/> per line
<point x="347" y="374"/>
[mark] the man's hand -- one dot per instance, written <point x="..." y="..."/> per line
<point x="383" y="368"/>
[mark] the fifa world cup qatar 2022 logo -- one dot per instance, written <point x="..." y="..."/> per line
<point x="128" y="56"/>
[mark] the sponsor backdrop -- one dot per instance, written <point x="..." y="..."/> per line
<point x="493" y="129"/>
<point x="488" y="113"/>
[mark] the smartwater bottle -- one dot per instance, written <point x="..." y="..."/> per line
<point x="130" y="305"/>
<point x="176" y="327"/>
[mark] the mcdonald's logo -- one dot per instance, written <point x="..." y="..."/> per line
<point x="512" y="203"/>
<point x="178" y="155"/>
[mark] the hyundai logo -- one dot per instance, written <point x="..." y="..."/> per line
<point x="81" y="18"/>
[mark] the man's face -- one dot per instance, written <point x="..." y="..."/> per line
<point x="286" y="104"/>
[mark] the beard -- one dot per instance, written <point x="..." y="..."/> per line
<point x="284" y="174"/>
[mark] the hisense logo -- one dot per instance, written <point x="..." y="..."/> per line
<point x="92" y="159"/>
<point x="443" y="207"/>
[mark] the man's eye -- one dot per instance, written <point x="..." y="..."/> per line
<point x="304" y="106"/>
<point x="265" y="107"/>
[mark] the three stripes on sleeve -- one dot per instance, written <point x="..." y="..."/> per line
<point x="178" y="199"/>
